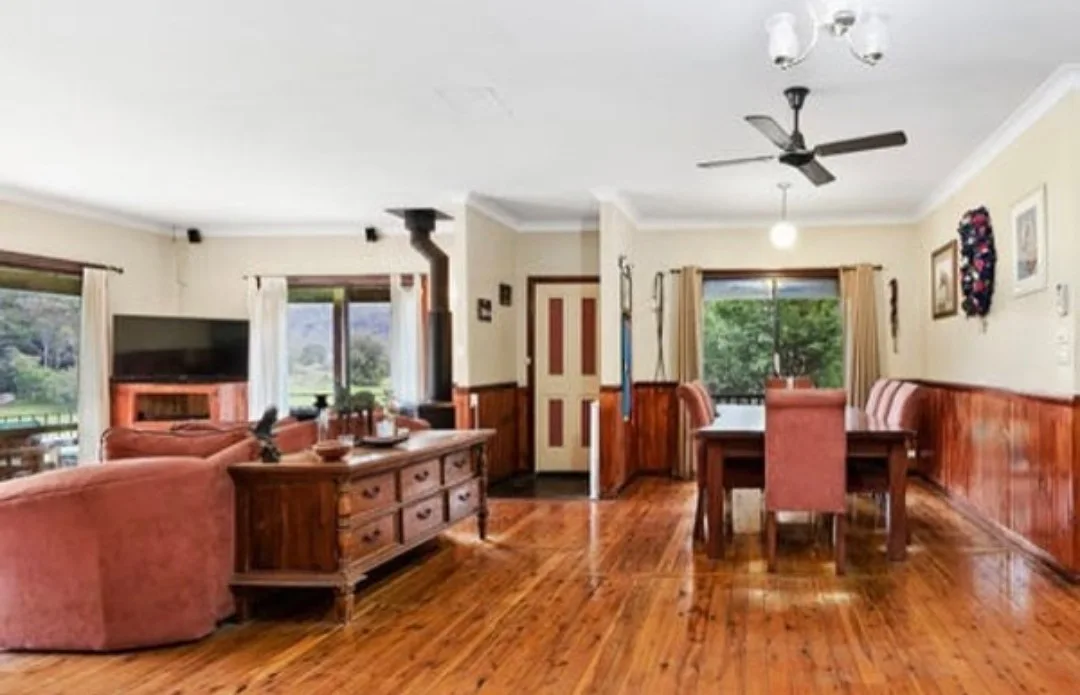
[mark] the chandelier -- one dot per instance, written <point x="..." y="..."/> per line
<point x="783" y="234"/>
<point x="865" y="32"/>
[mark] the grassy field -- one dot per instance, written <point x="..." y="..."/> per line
<point x="37" y="410"/>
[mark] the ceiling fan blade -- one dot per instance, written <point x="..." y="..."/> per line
<point x="772" y="130"/>
<point x="871" y="142"/>
<point x="717" y="163"/>
<point x="817" y="174"/>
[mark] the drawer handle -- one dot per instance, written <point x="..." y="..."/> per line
<point x="423" y="514"/>
<point x="371" y="493"/>
<point x="421" y="476"/>
<point x="372" y="537"/>
<point x="460" y="463"/>
<point x="464" y="496"/>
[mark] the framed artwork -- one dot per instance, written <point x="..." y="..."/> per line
<point x="1029" y="243"/>
<point x="506" y="294"/>
<point x="483" y="310"/>
<point x="943" y="284"/>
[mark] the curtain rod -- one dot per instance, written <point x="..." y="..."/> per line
<point x="752" y="271"/>
<point x="50" y="264"/>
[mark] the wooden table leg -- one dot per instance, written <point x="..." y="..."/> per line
<point x="343" y="603"/>
<point x="714" y="509"/>
<point x="898" y="531"/>
<point x="242" y="598"/>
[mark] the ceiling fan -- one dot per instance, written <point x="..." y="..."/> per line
<point x="795" y="152"/>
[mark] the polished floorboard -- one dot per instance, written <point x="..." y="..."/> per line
<point x="611" y="597"/>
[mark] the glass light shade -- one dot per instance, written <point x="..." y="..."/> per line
<point x="783" y="234"/>
<point x="783" y="40"/>
<point x="873" y="36"/>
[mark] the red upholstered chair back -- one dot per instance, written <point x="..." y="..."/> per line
<point x="781" y="382"/>
<point x="904" y="409"/>
<point x="706" y="397"/>
<point x="873" y="399"/>
<point x="885" y="402"/>
<point x="696" y="407"/>
<point x="805" y="450"/>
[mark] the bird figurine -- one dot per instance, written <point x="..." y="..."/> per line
<point x="263" y="431"/>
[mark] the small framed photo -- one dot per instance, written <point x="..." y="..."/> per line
<point x="483" y="310"/>
<point x="1029" y="243"/>
<point x="943" y="281"/>
<point x="506" y="293"/>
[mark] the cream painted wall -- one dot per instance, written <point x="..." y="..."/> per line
<point x="213" y="271"/>
<point x="149" y="282"/>
<point x="617" y="237"/>
<point x="486" y="353"/>
<point x="1016" y="349"/>
<point x="540" y="254"/>
<point x="893" y="247"/>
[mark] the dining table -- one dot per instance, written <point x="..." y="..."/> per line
<point x="733" y="451"/>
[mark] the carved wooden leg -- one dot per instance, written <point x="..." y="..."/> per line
<point x="770" y="540"/>
<point x="343" y="603"/>
<point x="482" y="514"/>
<point x="839" y="545"/>
<point x="714" y="509"/>
<point x="699" y="511"/>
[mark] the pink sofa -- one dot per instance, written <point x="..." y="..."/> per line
<point x="99" y="558"/>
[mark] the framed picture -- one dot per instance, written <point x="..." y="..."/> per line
<point x="506" y="293"/>
<point x="1029" y="243"/>
<point x="483" y="310"/>
<point x="943" y="284"/>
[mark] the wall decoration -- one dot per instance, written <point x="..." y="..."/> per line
<point x="943" y="287"/>
<point x="483" y="310"/>
<point x="894" y="313"/>
<point x="626" y="304"/>
<point x="978" y="260"/>
<point x="1029" y="243"/>
<point x="506" y="293"/>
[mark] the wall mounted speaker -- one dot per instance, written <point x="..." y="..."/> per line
<point x="371" y="234"/>
<point x="194" y="236"/>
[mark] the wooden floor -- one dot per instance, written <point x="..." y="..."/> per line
<point x="573" y="597"/>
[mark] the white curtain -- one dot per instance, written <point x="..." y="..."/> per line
<point x="405" y="341"/>
<point x="268" y="372"/>
<point x="95" y="354"/>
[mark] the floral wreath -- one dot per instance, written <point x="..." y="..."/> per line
<point x="978" y="257"/>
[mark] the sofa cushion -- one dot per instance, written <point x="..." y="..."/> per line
<point x="126" y="443"/>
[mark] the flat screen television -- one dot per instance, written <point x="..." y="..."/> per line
<point x="173" y="349"/>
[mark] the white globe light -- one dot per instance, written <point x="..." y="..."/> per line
<point x="783" y="235"/>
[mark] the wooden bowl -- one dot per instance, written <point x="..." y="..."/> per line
<point x="331" y="450"/>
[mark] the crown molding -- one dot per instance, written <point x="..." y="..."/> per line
<point x="1062" y="82"/>
<point x="560" y="227"/>
<point x="706" y="224"/>
<point x="489" y="208"/>
<point x="614" y="196"/>
<point x="61" y="206"/>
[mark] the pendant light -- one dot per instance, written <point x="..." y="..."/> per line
<point x="783" y="233"/>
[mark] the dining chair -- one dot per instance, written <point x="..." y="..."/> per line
<point x="710" y="403"/>
<point x="873" y="399"/>
<point x="885" y="402"/>
<point x="698" y="416"/>
<point x="806" y="461"/>
<point x="781" y="382"/>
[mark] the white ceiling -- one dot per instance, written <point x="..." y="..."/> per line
<point x="232" y="114"/>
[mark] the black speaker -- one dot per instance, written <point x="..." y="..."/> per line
<point x="194" y="236"/>
<point x="371" y="234"/>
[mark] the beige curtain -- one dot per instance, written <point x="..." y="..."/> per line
<point x="95" y="358"/>
<point x="862" y="355"/>
<point x="688" y="357"/>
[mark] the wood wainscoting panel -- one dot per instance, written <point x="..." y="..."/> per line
<point x="497" y="409"/>
<point x="1012" y="458"/>
<point x="656" y="424"/>
<point x="616" y="465"/>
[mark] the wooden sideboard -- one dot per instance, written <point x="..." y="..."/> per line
<point x="304" y="523"/>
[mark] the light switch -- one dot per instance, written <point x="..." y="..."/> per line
<point x="1063" y="342"/>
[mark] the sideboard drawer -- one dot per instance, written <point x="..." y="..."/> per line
<point x="457" y="467"/>
<point x="421" y="517"/>
<point x="463" y="499"/>
<point x="369" y="538"/>
<point x="419" y="479"/>
<point x="363" y="495"/>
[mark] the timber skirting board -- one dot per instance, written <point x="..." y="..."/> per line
<point x="496" y="407"/>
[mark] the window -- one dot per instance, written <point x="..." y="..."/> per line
<point x="339" y="338"/>
<point x="39" y="351"/>
<point x="752" y="324"/>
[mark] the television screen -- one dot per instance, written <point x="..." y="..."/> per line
<point x="151" y="348"/>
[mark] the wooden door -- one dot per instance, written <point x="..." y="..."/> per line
<point x="567" y="368"/>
